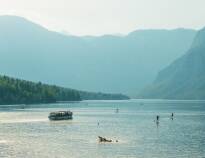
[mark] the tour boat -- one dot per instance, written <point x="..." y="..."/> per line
<point x="61" y="115"/>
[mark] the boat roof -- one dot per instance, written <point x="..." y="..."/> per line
<point x="57" y="112"/>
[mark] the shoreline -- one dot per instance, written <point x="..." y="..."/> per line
<point x="98" y="100"/>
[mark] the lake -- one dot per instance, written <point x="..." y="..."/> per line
<point x="27" y="132"/>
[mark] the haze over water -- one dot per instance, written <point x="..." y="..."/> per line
<point x="28" y="132"/>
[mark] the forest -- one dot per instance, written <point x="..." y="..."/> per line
<point x="16" y="91"/>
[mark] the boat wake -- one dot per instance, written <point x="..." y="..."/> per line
<point x="24" y="120"/>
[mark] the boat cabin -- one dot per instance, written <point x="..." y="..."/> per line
<point x="61" y="115"/>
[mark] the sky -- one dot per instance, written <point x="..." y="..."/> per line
<point x="98" y="17"/>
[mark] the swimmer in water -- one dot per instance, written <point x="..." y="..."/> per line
<point x="157" y="117"/>
<point x="157" y="120"/>
<point x="172" y="116"/>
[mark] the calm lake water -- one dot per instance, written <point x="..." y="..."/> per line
<point x="27" y="133"/>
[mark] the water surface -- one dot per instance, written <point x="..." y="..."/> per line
<point x="27" y="132"/>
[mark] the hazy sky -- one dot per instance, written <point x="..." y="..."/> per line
<point x="96" y="17"/>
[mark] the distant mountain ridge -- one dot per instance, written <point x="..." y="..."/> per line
<point x="185" y="77"/>
<point x="112" y="64"/>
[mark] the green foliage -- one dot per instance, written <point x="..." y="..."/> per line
<point x="102" y="96"/>
<point x="15" y="91"/>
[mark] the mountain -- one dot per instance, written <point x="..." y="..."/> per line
<point x="109" y="63"/>
<point x="185" y="77"/>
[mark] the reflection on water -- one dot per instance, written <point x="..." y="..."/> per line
<point x="27" y="132"/>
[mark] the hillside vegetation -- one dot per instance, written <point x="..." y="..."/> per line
<point x="15" y="91"/>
